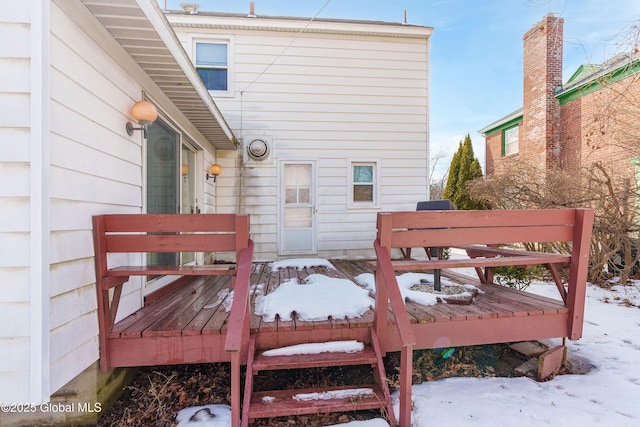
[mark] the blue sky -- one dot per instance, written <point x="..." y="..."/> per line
<point x="476" y="49"/>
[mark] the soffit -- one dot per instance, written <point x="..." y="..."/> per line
<point x="141" y="28"/>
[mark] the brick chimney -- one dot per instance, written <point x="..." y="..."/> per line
<point x="542" y="75"/>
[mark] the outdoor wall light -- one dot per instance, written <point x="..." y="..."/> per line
<point x="144" y="113"/>
<point x="214" y="171"/>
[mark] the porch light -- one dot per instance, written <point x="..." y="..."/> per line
<point x="214" y="171"/>
<point x="145" y="113"/>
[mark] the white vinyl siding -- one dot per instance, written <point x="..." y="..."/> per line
<point x="90" y="149"/>
<point x="15" y="211"/>
<point x="324" y="98"/>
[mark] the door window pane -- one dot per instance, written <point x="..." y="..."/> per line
<point x="297" y="181"/>
<point x="162" y="180"/>
<point x="162" y="169"/>
<point x="188" y="190"/>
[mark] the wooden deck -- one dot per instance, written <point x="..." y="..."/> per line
<point x="189" y="325"/>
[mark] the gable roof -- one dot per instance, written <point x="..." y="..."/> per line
<point x="586" y="79"/>
<point x="583" y="71"/>
<point x="141" y="28"/>
<point x="590" y="78"/>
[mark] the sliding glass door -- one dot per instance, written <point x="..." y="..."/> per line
<point x="170" y="184"/>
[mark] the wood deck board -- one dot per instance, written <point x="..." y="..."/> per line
<point x="258" y="280"/>
<point x="133" y="326"/>
<point x="187" y="309"/>
<point x="183" y="312"/>
<point x="204" y="315"/>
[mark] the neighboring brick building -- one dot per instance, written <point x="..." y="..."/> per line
<point x="588" y="119"/>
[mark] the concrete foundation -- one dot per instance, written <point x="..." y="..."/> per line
<point x="80" y="402"/>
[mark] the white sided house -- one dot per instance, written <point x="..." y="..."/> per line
<point x="336" y="113"/>
<point x="332" y="116"/>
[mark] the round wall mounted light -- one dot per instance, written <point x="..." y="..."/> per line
<point x="214" y="171"/>
<point x="145" y="113"/>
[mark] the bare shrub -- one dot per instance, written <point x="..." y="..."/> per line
<point x="521" y="185"/>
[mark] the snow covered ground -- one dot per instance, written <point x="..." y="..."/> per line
<point x="608" y="395"/>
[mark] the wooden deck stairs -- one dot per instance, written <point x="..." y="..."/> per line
<point x="320" y="399"/>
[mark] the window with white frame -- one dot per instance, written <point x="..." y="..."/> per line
<point x="212" y="64"/>
<point x="363" y="183"/>
<point x="510" y="140"/>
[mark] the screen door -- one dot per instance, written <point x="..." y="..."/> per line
<point x="297" y="208"/>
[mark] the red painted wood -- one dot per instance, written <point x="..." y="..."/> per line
<point x="496" y="301"/>
<point x="184" y="312"/>
<point x="576" y="293"/>
<point x="406" y="377"/>
<point x="182" y="270"/>
<point x="419" y="238"/>
<point x="248" y="383"/>
<point x="171" y="243"/>
<point x="408" y="265"/>
<point x="406" y="230"/>
<point x="176" y="350"/>
<point x="385" y="270"/>
<point x="167" y="223"/>
<point x="298" y="361"/>
<point x="285" y="405"/>
<point x="237" y="336"/>
<point x="165" y="316"/>
<point x="202" y="318"/>
<point x="240" y="307"/>
<point x="235" y="388"/>
<point x="381" y="378"/>
<point x="482" y="218"/>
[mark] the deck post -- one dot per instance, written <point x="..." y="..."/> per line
<point x="235" y="389"/>
<point x="578" y="271"/>
<point x="406" y="379"/>
<point x="380" y="308"/>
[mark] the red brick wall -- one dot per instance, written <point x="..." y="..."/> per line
<point x="602" y="127"/>
<point x="598" y="127"/>
<point x="493" y="146"/>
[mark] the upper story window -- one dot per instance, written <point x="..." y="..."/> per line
<point x="212" y="64"/>
<point x="510" y="140"/>
<point x="364" y="184"/>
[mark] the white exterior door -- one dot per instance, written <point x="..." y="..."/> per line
<point x="297" y="208"/>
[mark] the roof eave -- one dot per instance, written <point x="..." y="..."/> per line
<point x="185" y="90"/>
<point x="501" y="122"/>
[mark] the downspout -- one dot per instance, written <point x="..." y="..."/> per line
<point x="39" y="354"/>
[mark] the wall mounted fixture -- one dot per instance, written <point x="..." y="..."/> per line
<point x="214" y="171"/>
<point x="144" y="113"/>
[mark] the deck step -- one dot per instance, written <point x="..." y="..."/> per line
<point x="267" y="404"/>
<point x="300" y="361"/>
<point x="318" y="397"/>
